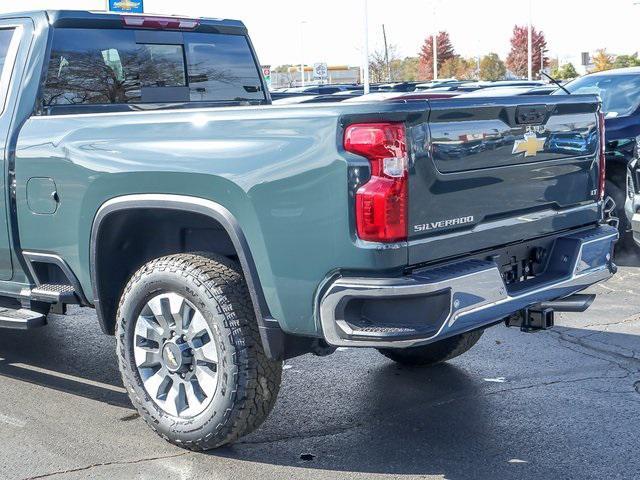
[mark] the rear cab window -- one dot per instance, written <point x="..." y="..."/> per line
<point x="122" y="68"/>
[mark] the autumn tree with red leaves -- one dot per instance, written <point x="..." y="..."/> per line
<point x="518" y="59"/>
<point x="445" y="52"/>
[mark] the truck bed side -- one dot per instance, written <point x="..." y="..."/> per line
<point x="278" y="170"/>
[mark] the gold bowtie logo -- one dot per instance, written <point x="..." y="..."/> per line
<point x="126" y="5"/>
<point x="530" y="146"/>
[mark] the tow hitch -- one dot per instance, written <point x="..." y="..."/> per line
<point x="532" y="319"/>
<point x="541" y="316"/>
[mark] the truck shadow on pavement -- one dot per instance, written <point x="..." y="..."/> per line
<point x="451" y="422"/>
<point x="359" y="414"/>
<point x="65" y="356"/>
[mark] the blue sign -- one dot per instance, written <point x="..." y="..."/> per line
<point x="126" y="6"/>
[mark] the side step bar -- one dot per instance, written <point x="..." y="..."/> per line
<point x="51" y="293"/>
<point x="21" y="319"/>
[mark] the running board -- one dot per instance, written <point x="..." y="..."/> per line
<point x="21" y="319"/>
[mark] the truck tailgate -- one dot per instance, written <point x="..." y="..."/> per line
<point x="491" y="172"/>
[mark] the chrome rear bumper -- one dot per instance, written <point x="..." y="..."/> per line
<point x="440" y="302"/>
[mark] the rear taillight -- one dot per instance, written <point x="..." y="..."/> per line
<point x="160" y="23"/>
<point x="381" y="203"/>
<point x="603" y="157"/>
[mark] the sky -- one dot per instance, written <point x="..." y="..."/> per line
<point x="332" y="31"/>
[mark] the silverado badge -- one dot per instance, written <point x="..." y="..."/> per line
<point x="531" y="145"/>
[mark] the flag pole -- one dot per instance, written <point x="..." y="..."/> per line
<point x="435" y="43"/>
<point x="530" y="43"/>
<point x="367" y="85"/>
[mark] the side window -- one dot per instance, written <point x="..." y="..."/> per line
<point x="6" y="36"/>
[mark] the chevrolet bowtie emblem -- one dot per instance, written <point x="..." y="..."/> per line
<point x="126" y="5"/>
<point x="173" y="361"/>
<point x="530" y="146"/>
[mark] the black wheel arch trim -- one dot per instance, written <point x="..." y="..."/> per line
<point x="195" y="205"/>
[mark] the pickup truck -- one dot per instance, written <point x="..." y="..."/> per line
<point x="147" y="176"/>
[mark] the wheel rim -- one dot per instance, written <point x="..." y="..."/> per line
<point x="176" y="355"/>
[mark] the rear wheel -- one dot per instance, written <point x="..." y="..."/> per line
<point x="190" y="352"/>
<point x="434" y="353"/>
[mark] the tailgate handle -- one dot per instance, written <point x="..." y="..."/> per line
<point x="531" y="115"/>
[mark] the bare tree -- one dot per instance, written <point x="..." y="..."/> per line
<point x="385" y="66"/>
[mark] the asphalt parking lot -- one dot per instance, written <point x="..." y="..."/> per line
<point x="560" y="404"/>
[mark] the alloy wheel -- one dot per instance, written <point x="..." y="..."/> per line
<point x="176" y="355"/>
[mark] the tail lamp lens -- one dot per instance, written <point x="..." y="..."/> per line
<point x="603" y="157"/>
<point x="381" y="203"/>
<point x="160" y="23"/>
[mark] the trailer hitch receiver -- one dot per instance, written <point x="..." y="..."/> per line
<point x="532" y="319"/>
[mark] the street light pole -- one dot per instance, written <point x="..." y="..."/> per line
<point x="635" y="4"/>
<point x="435" y="56"/>
<point x="530" y="43"/>
<point x="386" y="53"/>
<point x="367" y="86"/>
<point x="302" y="52"/>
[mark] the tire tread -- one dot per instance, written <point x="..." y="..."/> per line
<point x="258" y="378"/>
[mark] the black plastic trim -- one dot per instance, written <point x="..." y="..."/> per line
<point x="204" y="207"/>
<point x="52" y="258"/>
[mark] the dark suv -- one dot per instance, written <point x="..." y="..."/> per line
<point x="620" y="93"/>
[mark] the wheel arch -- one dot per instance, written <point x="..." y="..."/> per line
<point x="135" y="204"/>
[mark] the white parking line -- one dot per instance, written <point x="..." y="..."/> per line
<point x="14" y="422"/>
<point x="66" y="376"/>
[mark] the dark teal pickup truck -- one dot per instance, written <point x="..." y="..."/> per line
<point x="147" y="175"/>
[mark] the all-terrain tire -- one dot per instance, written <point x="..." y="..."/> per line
<point x="434" y="353"/>
<point x="248" y="381"/>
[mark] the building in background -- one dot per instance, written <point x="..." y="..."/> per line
<point x="291" y="76"/>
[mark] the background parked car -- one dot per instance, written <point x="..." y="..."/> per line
<point x="306" y="99"/>
<point x="439" y="83"/>
<point x="620" y="93"/>
<point x="393" y="96"/>
<point x="310" y="90"/>
<point x="510" y="91"/>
